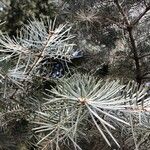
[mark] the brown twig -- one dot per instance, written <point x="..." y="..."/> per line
<point x="129" y="29"/>
<point x="135" y="55"/>
<point x="36" y="61"/>
<point x="145" y="55"/>
<point x="122" y="12"/>
<point x="140" y="16"/>
<point x="145" y="74"/>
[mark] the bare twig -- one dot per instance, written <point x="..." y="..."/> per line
<point x="145" y="3"/>
<point x="129" y="29"/>
<point x="145" y="74"/>
<point x="41" y="55"/>
<point x="145" y="55"/>
<point x="133" y="133"/>
<point x="135" y="54"/>
<point x="114" y="22"/>
<point x="5" y="4"/>
<point x="140" y="16"/>
<point x="122" y="12"/>
<point x="35" y="63"/>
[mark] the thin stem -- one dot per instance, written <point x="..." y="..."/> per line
<point x="40" y="55"/>
<point x="145" y="55"/>
<point x="133" y="134"/>
<point x="147" y="73"/>
<point x="140" y="16"/>
<point x="36" y="61"/>
<point x="135" y="54"/>
<point x="122" y="12"/>
<point x="129" y="28"/>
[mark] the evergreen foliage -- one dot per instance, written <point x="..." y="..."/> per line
<point x="74" y="71"/>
